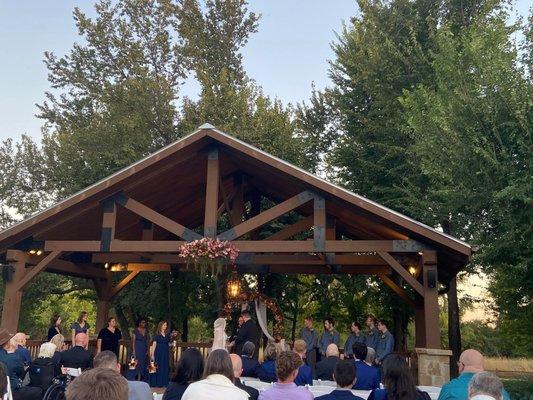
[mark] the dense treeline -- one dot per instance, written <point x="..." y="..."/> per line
<point x="429" y="112"/>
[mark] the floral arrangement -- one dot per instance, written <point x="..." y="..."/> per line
<point x="270" y="303"/>
<point x="209" y="253"/>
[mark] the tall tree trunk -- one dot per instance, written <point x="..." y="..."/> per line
<point x="123" y="321"/>
<point x="454" y="322"/>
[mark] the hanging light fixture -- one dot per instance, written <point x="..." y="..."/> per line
<point x="233" y="286"/>
<point x="413" y="270"/>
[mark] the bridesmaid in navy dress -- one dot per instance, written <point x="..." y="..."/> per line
<point x="160" y="353"/>
<point x="140" y="349"/>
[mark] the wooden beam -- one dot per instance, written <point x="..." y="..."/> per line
<point x="324" y="269"/>
<point x="402" y="271"/>
<point x="108" y="223"/>
<point x="267" y="216"/>
<point x="32" y="273"/>
<point x="13" y="296"/>
<point x="236" y="213"/>
<point x="211" y="194"/>
<point x="319" y="224"/>
<point x="122" y="284"/>
<point x="158" y="219"/>
<point x="397" y="289"/>
<point x="244" y="246"/>
<point x="431" y="303"/>
<point x="291" y="230"/>
<point x="68" y="268"/>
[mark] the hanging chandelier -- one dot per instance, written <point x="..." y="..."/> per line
<point x="233" y="286"/>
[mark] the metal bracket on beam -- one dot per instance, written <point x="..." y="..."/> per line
<point x="244" y="258"/>
<point x="402" y="246"/>
<point x="228" y="235"/>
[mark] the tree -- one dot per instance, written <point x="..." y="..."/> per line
<point x="472" y="135"/>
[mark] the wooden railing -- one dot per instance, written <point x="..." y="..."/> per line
<point x="125" y="347"/>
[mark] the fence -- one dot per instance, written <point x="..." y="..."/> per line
<point x="125" y="347"/>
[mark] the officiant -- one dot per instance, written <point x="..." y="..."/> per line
<point x="247" y="333"/>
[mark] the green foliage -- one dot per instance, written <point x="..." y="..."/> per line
<point x="519" y="389"/>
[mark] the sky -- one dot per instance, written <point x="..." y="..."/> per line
<point x="288" y="53"/>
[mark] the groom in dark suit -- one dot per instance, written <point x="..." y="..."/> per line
<point x="247" y="333"/>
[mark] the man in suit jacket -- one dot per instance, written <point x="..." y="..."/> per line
<point x="344" y="375"/>
<point x="77" y="356"/>
<point x="367" y="374"/>
<point x="324" y="369"/>
<point x="247" y="333"/>
<point x="237" y="372"/>
<point x="250" y="365"/>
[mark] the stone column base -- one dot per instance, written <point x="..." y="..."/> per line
<point x="433" y="366"/>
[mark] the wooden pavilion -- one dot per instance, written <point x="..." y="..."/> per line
<point x="140" y="215"/>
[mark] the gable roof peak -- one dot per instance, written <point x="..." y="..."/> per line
<point x="207" y="125"/>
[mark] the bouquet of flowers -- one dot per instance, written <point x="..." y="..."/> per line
<point x="152" y="367"/>
<point x="209" y="253"/>
<point x="133" y="363"/>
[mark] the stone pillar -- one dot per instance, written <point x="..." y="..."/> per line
<point x="13" y="296"/>
<point x="433" y="366"/>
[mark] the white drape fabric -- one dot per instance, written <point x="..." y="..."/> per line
<point x="219" y="336"/>
<point x="261" y="312"/>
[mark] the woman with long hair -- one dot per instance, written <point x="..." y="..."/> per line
<point x="398" y="381"/>
<point x="160" y="354"/>
<point x="54" y="329"/>
<point x="80" y="325"/>
<point x="190" y="369"/>
<point x="217" y="382"/>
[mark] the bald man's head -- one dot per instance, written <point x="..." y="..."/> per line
<point x="471" y="361"/>
<point x="81" y="339"/>
<point x="332" y="350"/>
<point x="237" y="365"/>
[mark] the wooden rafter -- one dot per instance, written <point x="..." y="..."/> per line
<point x="397" y="289"/>
<point x="319" y="224"/>
<point x="122" y="284"/>
<point x="267" y="216"/>
<point x="291" y="230"/>
<point x="402" y="272"/>
<point x="211" y="194"/>
<point x="158" y="219"/>
<point x="32" y="273"/>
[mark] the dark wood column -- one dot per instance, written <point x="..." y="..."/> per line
<point x="12" y="295"/>
<point x="103" y="290"/>
<point x="427" y="307"/>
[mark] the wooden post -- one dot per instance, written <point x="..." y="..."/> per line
<point x="108" y="224"/>
<point x="211" y="194"/>
<point x="13" y="296"/>
<point x="427" y="308"/>
<point x="103" y="289"/>
<point x="319" y="224"/>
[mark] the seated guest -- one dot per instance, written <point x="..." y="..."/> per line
<point x="16" y="372"/>
<point x="59" y="341"/>
<point x="98" y="384"/>
<point x="250" y="365"/>
<point x="324" y="369"/>
<point x="357" y="336"/>
<point x="470" y="363"/>
<point x="485" y="386"/>
<point x="189" y="369"/>
<point x="43" y="369"/>
<point x="398" y="381"/>
<point x="287" y="364"/>
<point x="267" y="372"/>
<point x="237" y="372"/>
<point x="217" y="382"/>
<point x="305" y="375"/>
<point x="137" y="390"/>
<point x="22" y="351"/>
<point x="367" y="374"/>
<point x="385" y="342"/>
<point x="77" y="356"/>
<point x="344" y="375"/>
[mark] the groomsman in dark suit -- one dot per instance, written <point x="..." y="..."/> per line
<point x="247" y="333"/>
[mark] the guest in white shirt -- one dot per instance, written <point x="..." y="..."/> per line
<point x="485" y="386"/>
<point x="218" y="380"/>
